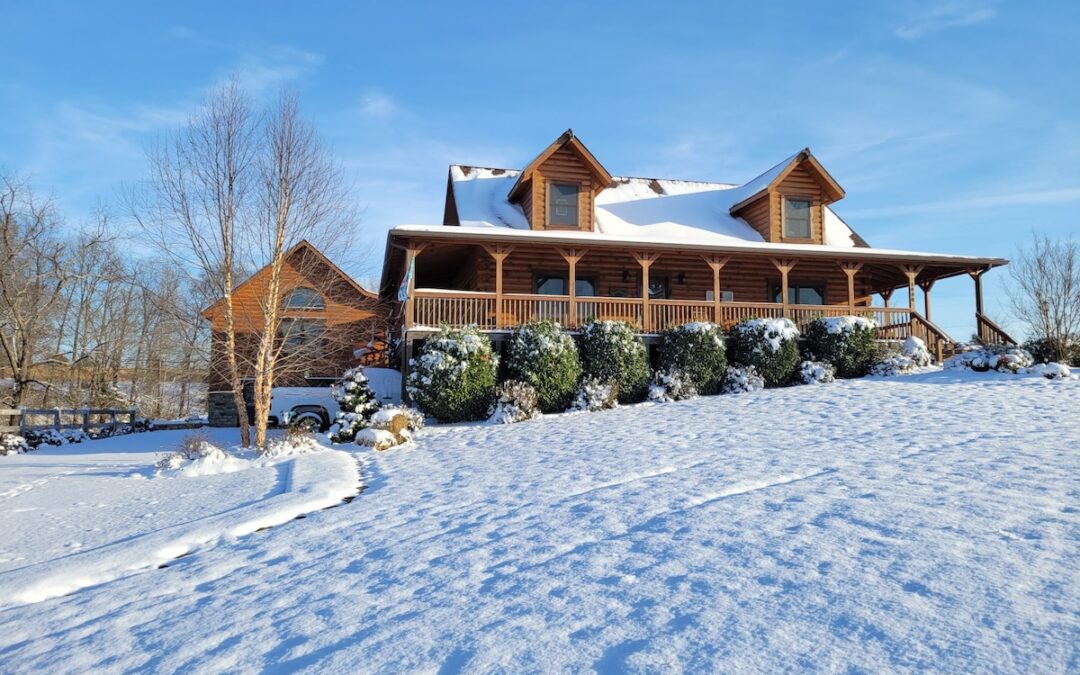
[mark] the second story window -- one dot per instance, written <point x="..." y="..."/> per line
<point x="796" y="218"/>
<point x="562" y="205"/>
<point x="304" y="298"/>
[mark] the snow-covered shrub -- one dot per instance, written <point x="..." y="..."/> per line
<point x="1045" y="350"/>
<point x="742" y="379"/>
<point x="594" y="394"/>
<point x="12" y="444"/>
<point x="815" y="372"/>
<point x="846" y="342"/>
<point x="356" y="404"/>
<point x="1051" y="371"/>
<point x="413" y="418"/>
<point x="289" y="444"/>
<point x="671" y="386"/>
<point x="915" y="349"/>
<point x="1003" y="359"/>
<point x="453" y="377"/>
<point x="696" y="351"/>
<point x="892" y="365"/>
<point x="611" y="351"/>
<point x="514" y="402"/>
<point x="194" y="446"/>
<point x="38" y="437"/>
<point x="769" y="345"/>
<point x="545" y="356"/>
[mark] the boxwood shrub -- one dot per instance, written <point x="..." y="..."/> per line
<point x="769" y="345"/>
<point x="453" y="377"/>
<point x="611" y="351"/>
<point x="846" y="342"/>
<point x="543" y="355"/>
<point x="695" y="351"/>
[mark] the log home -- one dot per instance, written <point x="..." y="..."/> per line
<point x="330" y="324"/>
<point x="563" y="239"/>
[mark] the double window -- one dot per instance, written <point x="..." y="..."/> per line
<point x="299" y="334"/>
<point x="801" y="293"/>
<point x="796" y="218"/>
<point x="304" y="298"/>
<point x="551" y="284"/>
<point x="562" y="204"/>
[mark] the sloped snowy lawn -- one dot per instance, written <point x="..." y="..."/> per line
<point x="82" y="514"/>
<point x="928" y="522"/>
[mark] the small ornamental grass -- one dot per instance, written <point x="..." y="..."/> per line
<point x="815" y="372"/>
<point x="453" y="377"/>
<point x="770" y="346"/>
<point x="514" y="402"/>
<point x="544" y="355"/>
<point x="696" y="352"/>
<point x="671" y="386"/>
<point x="611" y="351"/>
<point x="742" y="380"/>
<point x="594" y="394"/>
<point x="846" y="342"/>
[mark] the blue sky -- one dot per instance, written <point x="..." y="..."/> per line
<point x="954" y="125"/>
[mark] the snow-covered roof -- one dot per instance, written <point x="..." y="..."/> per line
<point x="657" y="209"/>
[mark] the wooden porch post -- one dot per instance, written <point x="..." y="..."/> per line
<point x="785" y="266"/>
<point x="911" y="272"/>
<point x="976" y="275"/>
<point x="886" y="296"/>
<point x="850" y="269"/>
<point x="499" y="252"/>
<point x="926" y="286"/>
<point x="572" y="256"/>
<point x="716" y="263"/>
<point x="413" y="250"/>
<point x="645" y="260"/>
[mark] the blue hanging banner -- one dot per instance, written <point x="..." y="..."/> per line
<point x="403" y="290"/>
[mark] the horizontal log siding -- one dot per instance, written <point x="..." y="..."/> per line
<point x="749" y="280"/>
<point x="756" y="213"/>
<point x="564" y="166"/>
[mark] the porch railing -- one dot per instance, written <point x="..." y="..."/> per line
<point x="433" y="308"/>
<point x="989" y="333"/>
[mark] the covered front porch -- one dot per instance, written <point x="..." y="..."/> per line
<point x="498" y="284"/>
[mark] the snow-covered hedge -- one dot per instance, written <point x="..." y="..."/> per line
<point x="769" y="345"/>
<point x="742" y="379"/>
<point x="671" y="386"/>
<point x="611" y="351"/>
<point x="12" y="444"/>
<point x="1044" y="350"/>
<point x="595" y="394"/>
<point x="696" y="351"/>
<point x="514" y="402"/>
<point x="356" y="402"/>
<point x="545" y="356"/>
<point x="1002" y="359"/>
<point x="1051" y="371"/>
<point x="815" y="372"/>
<point x="453" y="377"/>
<point x="846" y="342"/>
<point x="39" y="437"/>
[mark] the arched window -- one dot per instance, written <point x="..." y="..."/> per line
<point x="304" y="298"/>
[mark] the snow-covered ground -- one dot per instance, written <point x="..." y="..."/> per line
<point x="929" y="522"/>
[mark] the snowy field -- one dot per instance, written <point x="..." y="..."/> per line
<point x="929" y="522"/>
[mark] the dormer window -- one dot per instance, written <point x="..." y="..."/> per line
<point x="304" y="298"/>
<point x="796" y="218"/>
<point x="562" y="205"/>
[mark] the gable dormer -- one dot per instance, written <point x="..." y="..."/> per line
<point x="787" y="203"/>
<point x="557" y="190"/>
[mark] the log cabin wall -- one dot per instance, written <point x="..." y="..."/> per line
<point x="758" y="215"/>
<point x="749" y="280"/>
<point x="563" y="166"/>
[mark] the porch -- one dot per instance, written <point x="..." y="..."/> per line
<point x="662" y="286"/>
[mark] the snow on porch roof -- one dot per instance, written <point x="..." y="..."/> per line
<point x="479" y="233"/>
<point x="663" y="209"/>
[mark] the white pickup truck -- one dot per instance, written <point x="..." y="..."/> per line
<point x="316" y="408"/>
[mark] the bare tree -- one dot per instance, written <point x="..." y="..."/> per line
<point x="1045" y="291"/>
<point x="300" y="198"/>
<point x="200" y="181"/>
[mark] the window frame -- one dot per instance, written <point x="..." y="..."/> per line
<point x="565" y="276"/>
<point x="313" y="340"/>
<point x="776" y="287"/>
<point x="577" y="205"/>
<point x="287" y="305"/>
<point x="809" y="218"/>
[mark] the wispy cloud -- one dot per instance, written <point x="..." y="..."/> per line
<point x="942" y="16"/>
<point x="377" y="105"/>
<point x="264" y="70"/>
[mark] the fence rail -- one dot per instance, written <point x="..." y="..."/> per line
<point x="22" y="420"/>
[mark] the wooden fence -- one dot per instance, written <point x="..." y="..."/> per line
<point x="26" y="419"/>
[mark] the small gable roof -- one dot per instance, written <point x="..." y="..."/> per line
<point x="567" y="139"/>
<point x="758" y="186"/>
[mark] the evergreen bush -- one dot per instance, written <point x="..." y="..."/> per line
<point x="611" y="351"/>
<point x="845" y="342"/>
<point x="696" y="352"/>
<point x="356" y="404"/>
<point x="453" y="377"/>
<point x="770" y="346"/>
<point x="544" y="356"/>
